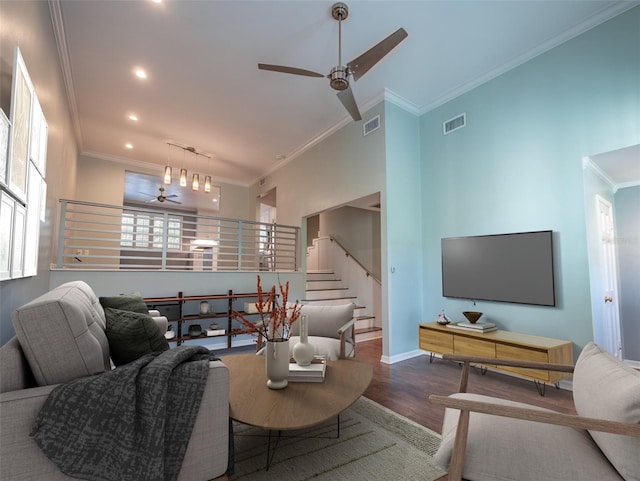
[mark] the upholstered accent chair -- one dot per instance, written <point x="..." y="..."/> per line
<point x="488" y="439"/>
<point x="331" y="330"/>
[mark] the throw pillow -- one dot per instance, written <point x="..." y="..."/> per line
<point x="606" y="388"/>
<point x="125" y="302"/>
<point x="132" y="335"/>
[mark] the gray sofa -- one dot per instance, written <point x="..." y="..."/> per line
<point x="60" y="337"/>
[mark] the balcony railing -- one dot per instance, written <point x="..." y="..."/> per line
<point x="99" y="236"/>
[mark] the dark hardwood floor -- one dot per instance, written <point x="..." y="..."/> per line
<point x="404" y="387"/>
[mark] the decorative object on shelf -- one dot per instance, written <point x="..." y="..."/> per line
<point x="213" y="326"/>
<point x="204" y="308"/>
<point x="277" y="363"/>
<point x="195" y="330"/>
<point x="442" y="319"/>
<point x="472" y="316"/>
<point x="303" y="351"/>
<point x="274" y="326"/>
<point x="170" y="334"/>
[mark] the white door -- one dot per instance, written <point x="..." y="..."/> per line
<point x="609" y="271"/>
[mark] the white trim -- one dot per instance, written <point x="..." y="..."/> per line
<point x="588" y="164"/>
<point x="401" y="102"/>
<point x="402" y="357"/>
<point x="606" y="13"/>
<point x="65" y="66"/>
<point x="633" y="364"/>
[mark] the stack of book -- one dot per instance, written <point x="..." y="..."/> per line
<point x="475" y="327"/>
<point x="314" y="372"/>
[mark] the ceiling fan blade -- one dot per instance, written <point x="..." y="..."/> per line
<point x="349" y="102"/>
<point x="362" y="64"/>
<point x="170" y="196"/>
<point x="291" y="70"/>
<point x="172" y="201"/>
<point x="145" y="193"/>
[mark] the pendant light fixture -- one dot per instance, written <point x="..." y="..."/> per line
<point x="183" y="171"/>
<point x="195" y="180"/>
<point x="167" y="169"/>
<point x="207" y="178"/>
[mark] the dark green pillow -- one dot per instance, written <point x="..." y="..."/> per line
<point x="125" y="302"/>
<point x="132" y="335"/>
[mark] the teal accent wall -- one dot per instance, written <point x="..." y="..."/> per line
<point x="402" y="244"/>
<point x="517" y="166"/>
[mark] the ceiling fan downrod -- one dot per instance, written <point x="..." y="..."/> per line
<point x="339" y="75"/>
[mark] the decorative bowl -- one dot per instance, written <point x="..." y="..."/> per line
<point x="472" y="316"/>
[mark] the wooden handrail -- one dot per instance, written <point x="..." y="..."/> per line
<point x="348" y="253"/>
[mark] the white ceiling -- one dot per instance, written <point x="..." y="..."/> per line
<point x="204" y="88"/>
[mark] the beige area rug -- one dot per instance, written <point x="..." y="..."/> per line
<point x="374" y="444"/>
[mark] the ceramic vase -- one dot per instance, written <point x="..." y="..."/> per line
<point x="304" y="351"/>
<point x="277" y="363"/>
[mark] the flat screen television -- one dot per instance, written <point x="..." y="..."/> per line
<point x="514" y="268"/>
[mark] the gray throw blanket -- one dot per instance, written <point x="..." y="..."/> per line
<point x="131" y="423"/>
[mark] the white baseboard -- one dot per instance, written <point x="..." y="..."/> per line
<point x="633" y="364"/>
<point x="402" y="357"/>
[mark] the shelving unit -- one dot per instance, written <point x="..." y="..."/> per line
<point x="188" y="311"/>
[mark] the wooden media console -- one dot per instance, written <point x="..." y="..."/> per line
<point x="438" y="339"/>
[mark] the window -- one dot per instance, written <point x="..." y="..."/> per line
<point x="141" y="230"/>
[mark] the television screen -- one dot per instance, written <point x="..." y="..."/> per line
<point x="514" y="268"/>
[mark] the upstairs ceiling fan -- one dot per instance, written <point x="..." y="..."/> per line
<point x="162" y="198"/>
<point x="339" y="75"/>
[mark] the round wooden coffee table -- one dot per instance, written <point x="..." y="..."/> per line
<point x="300" y="404"/>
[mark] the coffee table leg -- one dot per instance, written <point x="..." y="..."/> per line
<point x="270" y="453"/>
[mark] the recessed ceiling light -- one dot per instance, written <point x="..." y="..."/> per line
<point x="133" y="117"/>
<point x="156" y="1"/>
<point x="140" y="73"/>
<point x="128" y="146"/>
<point x="214" y="200"/>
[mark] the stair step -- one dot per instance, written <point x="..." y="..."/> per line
<point x="368" y="329"/>
<point x="320" y="276"/>
<point x="328" y="289"/>
<point x="329" y="300"/>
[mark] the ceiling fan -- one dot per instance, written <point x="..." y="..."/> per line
<point x="162" y="198"/>
<point x="339" y="75"/>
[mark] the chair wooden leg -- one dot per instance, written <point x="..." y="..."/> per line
<point x="459" y="447"/>
<point x="464" y="376"/>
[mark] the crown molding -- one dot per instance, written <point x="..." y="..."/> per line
<point x="57" y="21"/>
<point x="588" y="164"/>
<point x="606" y="13"/>
<point x="398" y="101"/>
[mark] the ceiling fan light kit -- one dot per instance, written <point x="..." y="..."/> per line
<point x="339" y="75"/>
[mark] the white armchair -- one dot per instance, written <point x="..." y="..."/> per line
<point x="331" y="330"/>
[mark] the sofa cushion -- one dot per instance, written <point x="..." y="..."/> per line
<point x="605" y="388"/>
<point x="125" y="302"/>
<point x="132" y="335"/>
<point x="61" y="334"/>
<point x="324" y="321"/>
<point x="501" y="449"/>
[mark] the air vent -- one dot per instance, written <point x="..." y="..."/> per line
<point x="371" y="125"/>
<point x="455" y="123"/>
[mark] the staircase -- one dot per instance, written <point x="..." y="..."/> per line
<point x="323" y="287"/>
